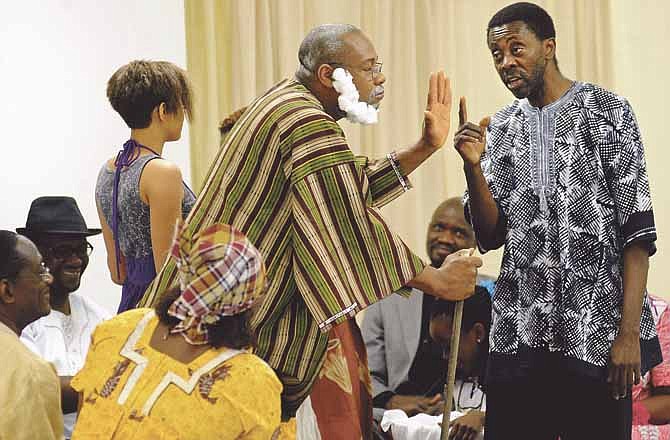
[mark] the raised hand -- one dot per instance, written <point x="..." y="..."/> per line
<point x="470" y="139"/>
<point x="436" y="119"/>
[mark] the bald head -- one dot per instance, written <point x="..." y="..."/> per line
<point x="323" y="44"/>
<point x="455" y="203"/>
<point x="448" y="231"/>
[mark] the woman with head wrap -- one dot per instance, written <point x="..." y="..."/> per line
<point x="184" y="370"/>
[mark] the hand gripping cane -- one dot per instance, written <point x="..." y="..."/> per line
<point x="451" y="371"/>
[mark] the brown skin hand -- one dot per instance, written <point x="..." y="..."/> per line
<point x="413" y="405"/>
<point x="469" y="141"/>
<point x="467" y="427"/>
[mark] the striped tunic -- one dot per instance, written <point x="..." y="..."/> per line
<point x="285" y="176"/>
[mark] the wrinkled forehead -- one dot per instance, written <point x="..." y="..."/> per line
<point x="450" y="213"/>
<point x="515" y="29"/>
<point x="358" y="49"/>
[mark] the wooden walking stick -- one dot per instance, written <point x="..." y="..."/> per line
<point x="451" y="370"/>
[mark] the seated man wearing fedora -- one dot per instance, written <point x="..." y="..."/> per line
<point x="59" y="231"/>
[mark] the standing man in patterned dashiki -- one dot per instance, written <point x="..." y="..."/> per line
<point x="563" y="187"/>
<point x="286" y="177"/>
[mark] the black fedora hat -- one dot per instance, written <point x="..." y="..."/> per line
<point x="55" y="215"/>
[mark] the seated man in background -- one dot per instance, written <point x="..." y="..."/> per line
<point x="651" y="397"/>
<point x="29" y="390"/>
<point x="59" y="231"/>
<point x="406" y="369"/>
<point x="473" y="351"/>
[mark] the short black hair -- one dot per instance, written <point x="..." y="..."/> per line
<point x="11" y="261"/>
<point x="476" y="309"/>
<point x="536" y="18"/>
<point x="135" y="89"/>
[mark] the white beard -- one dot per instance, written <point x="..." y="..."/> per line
<point x="359" y="112"/>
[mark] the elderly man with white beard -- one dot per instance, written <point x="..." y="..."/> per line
<point x="287" y="178"/>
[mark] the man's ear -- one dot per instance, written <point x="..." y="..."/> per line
<point x="7" y="291"/>
<point x="549" y="46"/>
<point x="324" y="74"/>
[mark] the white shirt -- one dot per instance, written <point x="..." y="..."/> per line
<point x="468" y="396"/>
<point x="63" y="340"/>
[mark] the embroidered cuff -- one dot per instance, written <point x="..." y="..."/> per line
<point x="396" y="168"/>
<point x="348" y="312"/>
<point x="640" y="227"/>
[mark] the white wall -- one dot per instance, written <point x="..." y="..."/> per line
<point x="57" y="126"/>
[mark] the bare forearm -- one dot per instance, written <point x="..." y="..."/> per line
<point x="481" y="415"/>
<point x="411" y="157"/>
<point x="635" y="268"/>
<point x="425" y="281"/>
<point x="483" y="209"/>
<point x="659" y="409"/>
<point x="453" y="281"/>
<point x="69" y="397"/>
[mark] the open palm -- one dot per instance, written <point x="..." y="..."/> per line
<point x="437" y="122"/>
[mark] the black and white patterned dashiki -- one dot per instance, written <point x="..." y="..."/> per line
<point x="570" y="181"/>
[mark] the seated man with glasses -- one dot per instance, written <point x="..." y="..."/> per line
<point x="29" y="391"/>
<point x="59" y="231"/>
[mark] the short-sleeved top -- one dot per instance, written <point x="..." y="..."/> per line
<point x="63" y="340"/>
<point x="571" y="185"/>
<point x="132" y="391"/>
<point x="286" y="177"/>
<point x="134" y="214"/>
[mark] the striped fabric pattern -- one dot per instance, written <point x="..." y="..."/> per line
<point x="286" y="178"/>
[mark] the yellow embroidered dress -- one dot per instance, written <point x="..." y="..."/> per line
<point x="131" y="391"/>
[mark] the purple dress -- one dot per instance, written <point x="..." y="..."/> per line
<point x="130" y="221"/>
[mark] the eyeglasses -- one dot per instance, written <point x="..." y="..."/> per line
<point x="65" y="251"/>
<point x="45" y="273"/>
<point x="374" y="70"/>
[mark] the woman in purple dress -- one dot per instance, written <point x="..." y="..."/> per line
<point x="139" y="195"/>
